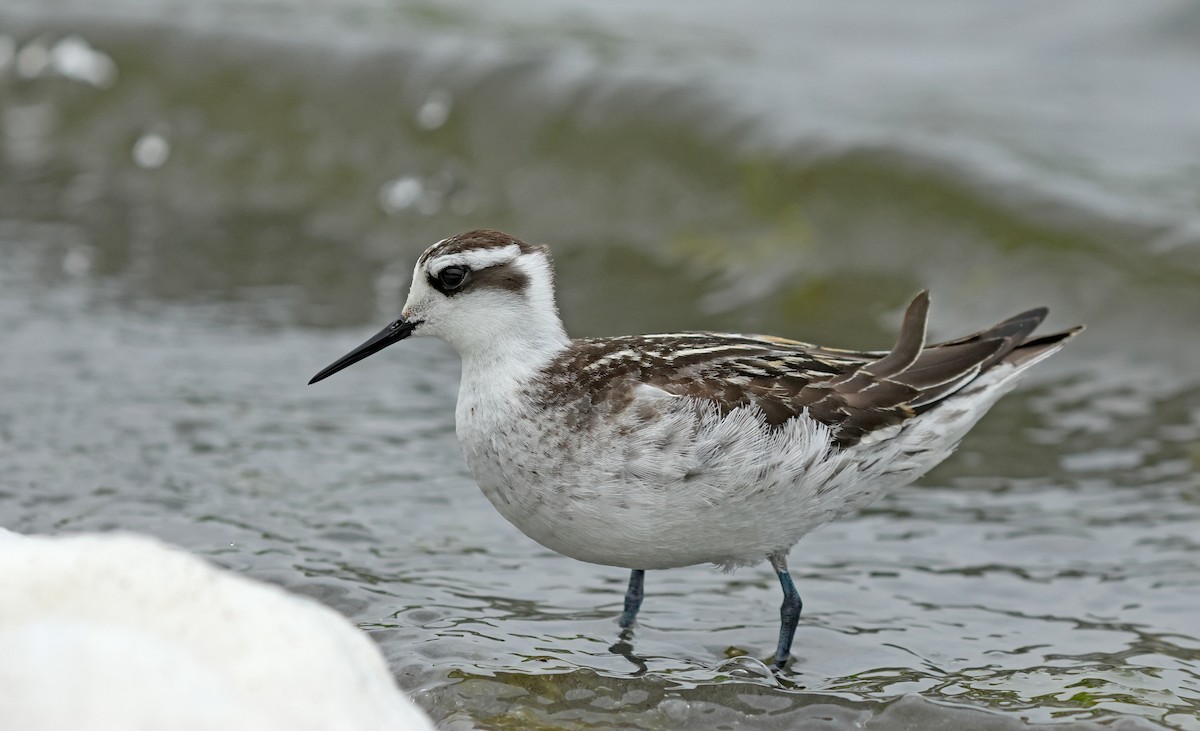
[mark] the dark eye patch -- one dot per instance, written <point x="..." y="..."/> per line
<point x="501" y="277"/>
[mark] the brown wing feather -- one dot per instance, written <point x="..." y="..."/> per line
<point x="855" y="393"/>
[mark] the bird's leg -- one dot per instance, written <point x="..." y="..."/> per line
<point x="789" y="612"/>
<point x="633" y="598"/>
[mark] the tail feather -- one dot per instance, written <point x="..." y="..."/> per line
<point x="909" y="345"/>
<point x="941" y="369"/>
<point x="1032" y="351"/>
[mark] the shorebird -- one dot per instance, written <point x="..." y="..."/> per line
<point x="660" y="451"/>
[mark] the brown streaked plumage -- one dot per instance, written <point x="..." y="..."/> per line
<point x="852" y="392"/>
<point x="479" y="240"/>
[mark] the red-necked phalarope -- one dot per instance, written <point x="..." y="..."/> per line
<point x="657" y="451"/>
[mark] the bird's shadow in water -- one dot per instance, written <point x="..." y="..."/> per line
<point x="624" y="647"/>
<point x="744" y="667"/>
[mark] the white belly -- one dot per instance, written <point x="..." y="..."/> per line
<point x="685" y="487"/>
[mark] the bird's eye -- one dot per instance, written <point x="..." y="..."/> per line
<point x="452" y="277"/>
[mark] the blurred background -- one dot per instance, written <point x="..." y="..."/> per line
<point x="202" y="203"/>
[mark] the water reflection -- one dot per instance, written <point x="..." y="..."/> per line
<point x="624" y="647"/>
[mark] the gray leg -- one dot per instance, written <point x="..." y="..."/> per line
<point x="789" y="612"/>
<point x="633" y="598"/>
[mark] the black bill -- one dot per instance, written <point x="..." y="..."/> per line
<point x="393" y="333"/>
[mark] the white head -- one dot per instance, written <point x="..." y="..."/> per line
<point x="487" y="294"/>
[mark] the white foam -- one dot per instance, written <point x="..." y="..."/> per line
<point x="123" y="632"/>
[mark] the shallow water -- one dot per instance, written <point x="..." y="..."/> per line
<point x="202" y="205"/>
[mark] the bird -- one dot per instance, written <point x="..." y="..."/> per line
<point x="667" y="450"/>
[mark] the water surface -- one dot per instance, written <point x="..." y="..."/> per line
<point x="203" y="204"/>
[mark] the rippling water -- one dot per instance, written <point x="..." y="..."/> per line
<point x="202" y="204"/>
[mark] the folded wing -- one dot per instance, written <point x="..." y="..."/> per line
<point x="855" y="393"/>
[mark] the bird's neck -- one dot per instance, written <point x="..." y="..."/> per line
<point x="512" y="353"/>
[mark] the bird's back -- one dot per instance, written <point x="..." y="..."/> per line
<point x="854" y="393"/>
